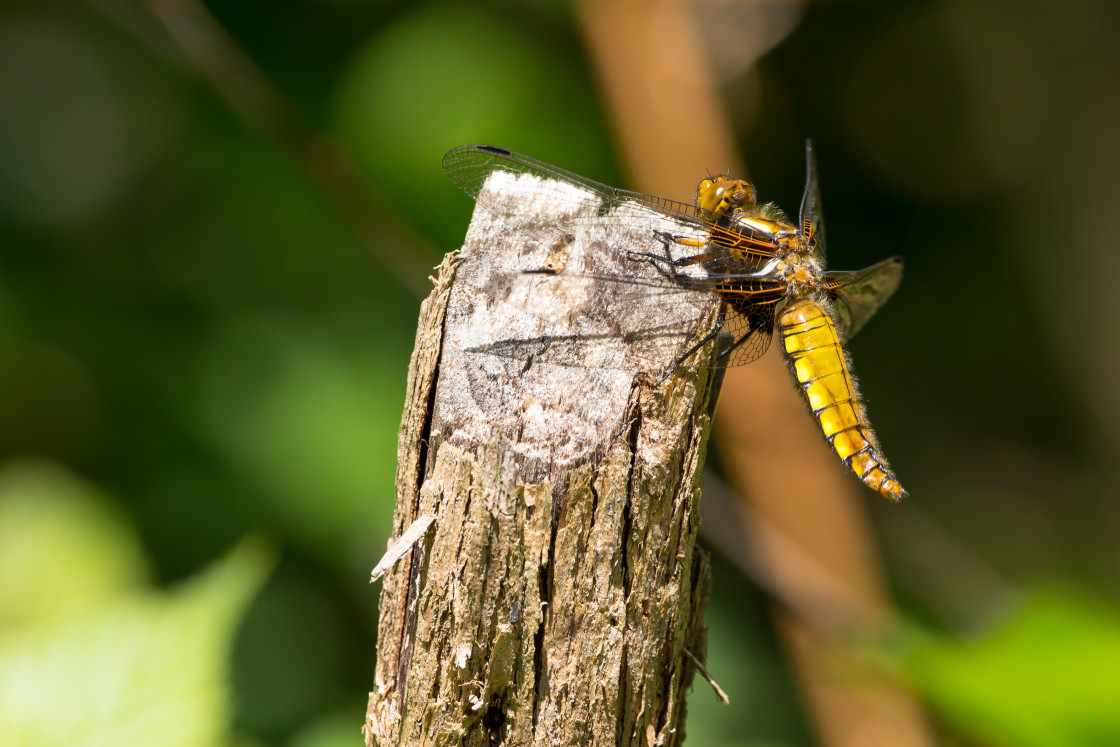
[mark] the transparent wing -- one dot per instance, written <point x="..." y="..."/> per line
<point x="751" y="331"/>
<point x="858" y="295"/>
<point x="750" y="303"/>
<point x="469" y="166"/>
<point x="812" y="222"/>
<point x="616" y="321"/>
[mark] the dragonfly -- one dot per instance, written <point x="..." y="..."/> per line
<point x="768" y="272"/>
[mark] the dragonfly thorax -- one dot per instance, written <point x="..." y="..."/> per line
<point x="768" y="223"/>
<point x="801" y="272"/>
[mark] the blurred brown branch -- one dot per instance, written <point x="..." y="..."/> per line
<point x="670" y="123"/>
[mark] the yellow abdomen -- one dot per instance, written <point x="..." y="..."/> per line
<point x="813" y="350"/>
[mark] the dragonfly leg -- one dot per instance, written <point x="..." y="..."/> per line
<point x="666" y="265"/>
<point x="693" y="259"/>
<point x="695" y="243"/>
<point x="668" y="239"/>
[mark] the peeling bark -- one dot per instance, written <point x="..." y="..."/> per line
<point x="552" y="600"/>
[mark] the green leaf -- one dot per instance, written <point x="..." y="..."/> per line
<point x="142" y="669"/>
<point x="63" y="547"/>
<point x="1049" y="677"/>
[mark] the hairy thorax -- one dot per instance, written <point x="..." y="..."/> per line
<point x="795" y="260"/>
<point x="802" y="273"/>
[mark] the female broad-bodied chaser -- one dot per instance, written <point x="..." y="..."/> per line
<point x="768" y="273"/>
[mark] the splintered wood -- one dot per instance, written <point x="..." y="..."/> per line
<point x="553" y="599"/>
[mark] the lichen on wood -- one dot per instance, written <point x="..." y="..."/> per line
<point x="553" y="598"/>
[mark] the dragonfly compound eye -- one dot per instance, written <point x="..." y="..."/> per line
<point x="706" y="197"/>
<point x="719" y="197"/>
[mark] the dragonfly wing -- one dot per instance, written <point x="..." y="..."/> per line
<point x="616" y="321"/>
<point x="469" y="166"/>
<point x="750" y="331"/>
<point x="858" y="295"/>
<point x="812" y="223"/>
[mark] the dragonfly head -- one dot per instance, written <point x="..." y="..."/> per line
<point x="717" y="197"/>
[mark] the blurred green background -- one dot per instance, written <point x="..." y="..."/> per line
<point x="204" y="337"/>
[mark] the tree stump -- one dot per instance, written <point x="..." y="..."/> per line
<point x="554" y="597"/>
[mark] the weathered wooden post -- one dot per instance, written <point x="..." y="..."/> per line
<point x="557" y="597"/>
